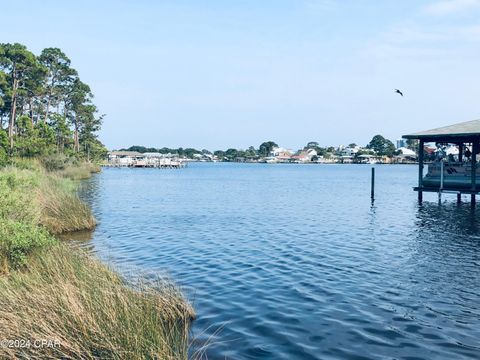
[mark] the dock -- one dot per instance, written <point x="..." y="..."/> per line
<point x="458" y="176"/>
<point x="133" y="159"/>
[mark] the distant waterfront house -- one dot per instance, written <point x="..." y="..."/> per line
<point x="305" y="155"/>
<point x="124" y="158"/>
<point x="405" y="155"/>
<point x="280" y="154"/>
<point x="350" y="151"/>
<point x="405" y="152"/>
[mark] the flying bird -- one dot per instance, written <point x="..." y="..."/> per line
<point x="398" y="92"/>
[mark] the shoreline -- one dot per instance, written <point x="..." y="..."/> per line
<point x="50" y="290"/>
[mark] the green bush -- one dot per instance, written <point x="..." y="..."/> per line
<point x="3" y="147"/>
<point x="18" y="240"/>
<point x="54" y="162"/>
<point x="17" y="199"/>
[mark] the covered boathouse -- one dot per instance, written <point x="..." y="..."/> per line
<point x="454" y="175"/>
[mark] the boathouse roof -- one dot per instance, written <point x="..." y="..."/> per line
<point x="460" y="131"/>
<point x="125" y="153"/>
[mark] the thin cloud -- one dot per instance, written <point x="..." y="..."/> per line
<point x="447" y="7"/>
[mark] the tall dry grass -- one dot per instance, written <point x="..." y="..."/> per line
<point x="60" y="208"/>
<point x="90" y="312"/>
<point x="54" y="293"/>
<point x="80" y="171"/>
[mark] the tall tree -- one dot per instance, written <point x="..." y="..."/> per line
<point x="77" y="106"/>
<point x="381" y="146"/>
<point x="62" y="131"/>
<point x="45" y="105"/>
<point x="266" y="147"/>
<point x="3" y="90"/>
<point x="15" y="61"/>
<point x="59" y="76"/>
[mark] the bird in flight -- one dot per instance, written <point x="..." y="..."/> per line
<point x="398" y="92"/>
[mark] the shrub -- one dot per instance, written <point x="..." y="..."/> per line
<point x="17" y="240"/>
<point x="54" y="162"/>
<point x="17" y="201"/>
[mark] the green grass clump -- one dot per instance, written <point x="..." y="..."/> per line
<point x="27" y="164"/>
<point x="81" y="171"/>
<point x="61" y="209"/>
<point x="92" y="313"/>
<point x="75" y="173"/>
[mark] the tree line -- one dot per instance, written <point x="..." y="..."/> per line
<point x="45" y="107"/>
<point x="377" y="146"/>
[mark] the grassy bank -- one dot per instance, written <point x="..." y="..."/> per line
<point x="48" y="291"/>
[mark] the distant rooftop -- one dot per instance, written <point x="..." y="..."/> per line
<point x="125" y="153"/>
<point x="461" y="130"/>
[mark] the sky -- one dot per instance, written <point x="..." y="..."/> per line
<point x="234" y="73"/>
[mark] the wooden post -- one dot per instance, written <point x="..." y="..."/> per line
<point x="460" y="159"/>
<point x="420" y="170"/>
<point x="372" y="192"/>
<point x="440" y="189"/>
<point x="473" y="175"/>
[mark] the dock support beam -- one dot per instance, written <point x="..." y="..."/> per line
<point x="440" y="189"/>
<point x="473" y="175"/>
<point x="420" y="170"/>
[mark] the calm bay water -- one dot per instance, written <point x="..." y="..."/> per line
<point x="293" y="262"/>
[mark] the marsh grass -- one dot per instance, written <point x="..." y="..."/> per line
<point x="34" y="204"/>
<point x="92" y="313"/>
<point x="80" y="171"/>
<point x="37" y="197"/>
<point x="60" y="208"/>
<point x="53" y="292"/>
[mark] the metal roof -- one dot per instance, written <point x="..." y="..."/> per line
<point x="460" y="130"/>
<point x="126" y="153"/>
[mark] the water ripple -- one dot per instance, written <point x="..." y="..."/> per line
<point x="293" y="262"/>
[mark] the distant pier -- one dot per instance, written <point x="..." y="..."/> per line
<point x="133" y="159"/>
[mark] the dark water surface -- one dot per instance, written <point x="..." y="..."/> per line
<point x="293" y="262"/>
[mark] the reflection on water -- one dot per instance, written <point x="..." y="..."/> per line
<point x="449" y="218"/>
<point x="79" y="238"/>
<point x="295" y="262"/>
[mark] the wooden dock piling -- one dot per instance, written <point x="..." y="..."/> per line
<point x="372" y="186"/>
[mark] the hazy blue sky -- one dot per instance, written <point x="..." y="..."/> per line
<point x="212" y="74"/>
